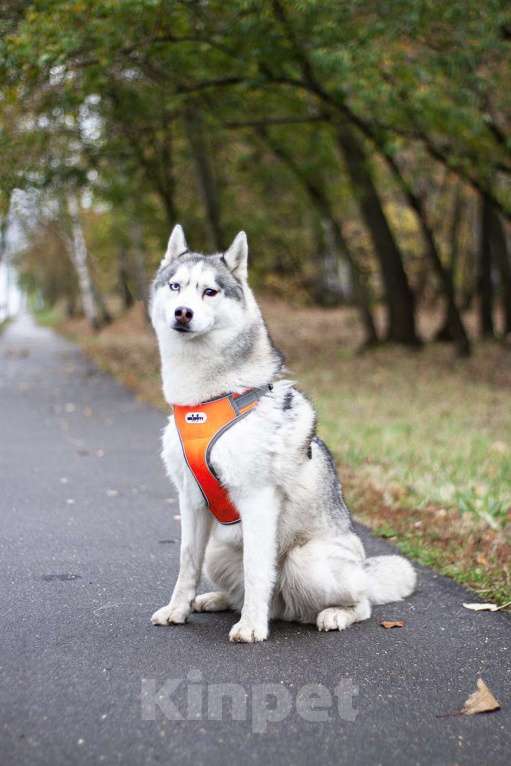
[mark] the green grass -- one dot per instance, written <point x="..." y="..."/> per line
<point x="475" y="577"/>
<point x="48" y="317"/>
<point x="424" y="438"/>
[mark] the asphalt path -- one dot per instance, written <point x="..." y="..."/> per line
<point x="89" y="541"/>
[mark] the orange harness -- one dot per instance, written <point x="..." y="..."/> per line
<point x="199" y="428"/>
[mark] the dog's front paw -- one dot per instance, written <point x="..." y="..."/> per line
<point x="245" y="631"/>
<point x="170" y="615"/>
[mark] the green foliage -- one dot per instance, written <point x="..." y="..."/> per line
<point x="96" y="96"/>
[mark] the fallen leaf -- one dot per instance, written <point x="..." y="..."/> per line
<point x="481" y="607"/>
<point x="481" y="701"/>
<point x="392" y="624"/>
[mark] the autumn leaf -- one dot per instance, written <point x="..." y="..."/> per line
<point x="481" y="701"/>
<point x="392" y="624"/>
<point x="486" y="607"/>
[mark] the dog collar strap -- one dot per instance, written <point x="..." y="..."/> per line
<point x="199" y="427"/>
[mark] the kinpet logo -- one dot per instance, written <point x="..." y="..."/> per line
<point x="196" y="417"/>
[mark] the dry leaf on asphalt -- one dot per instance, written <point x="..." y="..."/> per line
<point x="486" y="607"/>
<point x="481" y="701"/>
<point x="481" y="607"/>
<point x="392" y="624"/>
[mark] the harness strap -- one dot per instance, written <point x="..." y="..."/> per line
<point x="199" y="427"/>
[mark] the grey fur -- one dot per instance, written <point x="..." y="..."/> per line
<point x="230" y="285"/>
<point x="288" y="401"/>
<point x="224" y="278"/>
<point x="287" y="406"/>
<point x="333" y="490"/>
<point x="166" y="272"/>
<point x="241" y="348"/>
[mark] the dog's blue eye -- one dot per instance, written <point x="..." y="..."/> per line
<point x="174" y="285"/>
<point x="210" y="292"/>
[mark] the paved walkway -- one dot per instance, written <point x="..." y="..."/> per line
<point x="88" y="549"/>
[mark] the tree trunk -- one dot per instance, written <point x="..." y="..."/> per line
<point x="80" y="260"/>
<point x="398" y="294"/>
<point x="444" y="333"/>
<point x="318" y="197"/>
<point x="104" y="313"/>
<point x="469" y="265"/>
<point x="139" y="266"/>
<point x="502" y="261"/>
<point x="328" y="289"/>
<point x="336" y="267"/>
<point x="455" y="322"/>
<point x="4" y="223"/>
<point x="454" y="231"/>
<point x="123" y="278"/>
<point x="360" y="290"/>
<point x="164" y="169"/>
<point x="205" y="175"/>
<point x="71" y="306"/>
<point x="456" y="327"/>
<point x="4" y="299"/>
<point x="484" y="276"/>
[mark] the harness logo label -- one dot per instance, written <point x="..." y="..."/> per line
<point x="196" y="417"/>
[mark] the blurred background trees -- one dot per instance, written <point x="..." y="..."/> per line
<point x="364" y="146"/>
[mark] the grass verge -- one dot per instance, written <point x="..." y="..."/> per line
<point x="423" y="441"/>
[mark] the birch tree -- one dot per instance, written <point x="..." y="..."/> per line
<point x="80" y="259"/>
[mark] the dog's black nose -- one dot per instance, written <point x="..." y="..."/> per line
<point x="183" y="315"/>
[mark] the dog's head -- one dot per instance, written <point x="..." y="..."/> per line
<point x="196" y="294"/>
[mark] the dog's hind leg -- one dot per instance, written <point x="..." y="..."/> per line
<point x="324" y="582"/>
<point x="215" y="601"/>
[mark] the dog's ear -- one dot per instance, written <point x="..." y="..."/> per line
<point x="176" y="246"/>
<point x="236" y="257"/>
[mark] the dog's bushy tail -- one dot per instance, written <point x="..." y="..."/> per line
<point x="391" y="578"/>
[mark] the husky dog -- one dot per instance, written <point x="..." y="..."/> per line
<point x="295" y="555"/>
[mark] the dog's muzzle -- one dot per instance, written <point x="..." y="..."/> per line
<point x="183" y="316"/>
